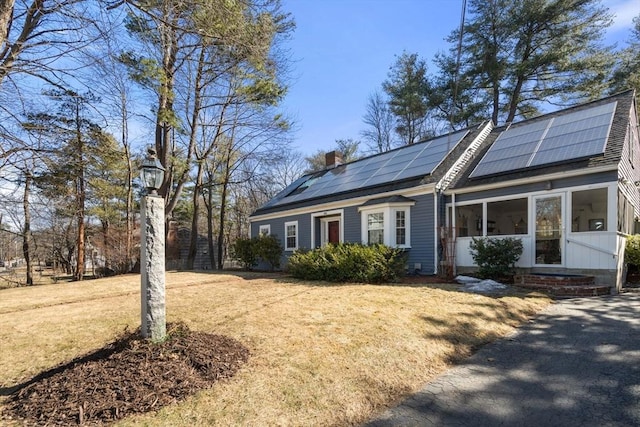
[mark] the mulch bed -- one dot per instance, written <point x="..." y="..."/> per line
<point x="128" y="376"/>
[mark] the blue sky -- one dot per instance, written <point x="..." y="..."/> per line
<point x="342" y="50"/>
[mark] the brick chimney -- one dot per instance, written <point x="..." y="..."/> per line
<point x="333" y="159"/>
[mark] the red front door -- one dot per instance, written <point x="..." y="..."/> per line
<point x="334" y="231"/>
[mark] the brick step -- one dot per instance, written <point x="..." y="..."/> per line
<point x="569" y="291"/>
<point x="563" y="285"/>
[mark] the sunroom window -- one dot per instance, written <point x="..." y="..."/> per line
<point x="468" y="220"/>
<point x="589" y="210"/>
<point x="507" y="217"/>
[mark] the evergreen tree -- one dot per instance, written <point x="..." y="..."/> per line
<point x="171" y="33"/>
<point x="348" y="148"/>
<point x="73" y="150"/>
<point x="407" y="87"/>
<point x="522" y="53"/>
<point x="626" y="73"/>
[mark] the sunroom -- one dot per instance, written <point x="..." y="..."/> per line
<point x="568" y="230"/>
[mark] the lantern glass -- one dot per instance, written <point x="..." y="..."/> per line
<point x="152" y="173"/>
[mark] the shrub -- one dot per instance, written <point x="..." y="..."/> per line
<point x="264" y="248"/>
<point x="268" y="249"/>
<point x="496" y="258"/>
<point x="243" y="251"/>
<point x="632" y="251"/>
<point x="349" y="262"/>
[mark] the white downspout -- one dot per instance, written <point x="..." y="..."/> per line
<point x="454" y="234"/>
<point x="436" y="233"/>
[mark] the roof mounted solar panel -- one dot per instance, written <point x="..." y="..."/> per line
<point x="415" y="160"/>
<point x="583" y="133"/>
<point x="571" y="136"/>
<point x="512" y="149"/>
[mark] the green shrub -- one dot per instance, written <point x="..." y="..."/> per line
<point x="349" y="262"/>
<point x="496" y="258"/>
<point x="264" y="248"/>
<point x="243" y="252"/>
<point x="269" y="250"/>
<point x="632" y="251"/>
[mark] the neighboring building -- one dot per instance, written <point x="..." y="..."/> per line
<point x="565" y="183"/>
<point x="177" y="249"/>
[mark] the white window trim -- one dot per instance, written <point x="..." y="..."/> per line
<point x="264" y="226"/>
<point x="407" y="227"/>
<point x="385" y="228"/>
<point x="286" y="235"/>
<point x="389" y="217"/>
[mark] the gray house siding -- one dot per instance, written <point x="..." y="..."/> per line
<point x="598" y="178"/>
<point x="277" y="229"/>
<point x="422" y="250"/>
<point x="422" y="235"/>
<point x="352" y="225"/>
<point x="629" y="167"/>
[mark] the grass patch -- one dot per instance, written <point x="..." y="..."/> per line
<point x="321" y="354"/>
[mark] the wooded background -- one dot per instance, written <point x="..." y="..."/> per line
<point x="86" y="86"/>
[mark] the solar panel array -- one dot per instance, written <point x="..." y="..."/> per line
<point x="571" y="136"/>
<point x="419" y="159"/>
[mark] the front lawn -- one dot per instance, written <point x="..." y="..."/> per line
<point x="321" y="354"/>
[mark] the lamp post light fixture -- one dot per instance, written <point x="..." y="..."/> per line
<point x="152" y="172"/>
<point x="152" y="253"/>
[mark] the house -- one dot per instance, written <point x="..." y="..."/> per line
<point x="565" y="183"/>
<point x="391" y="198"/>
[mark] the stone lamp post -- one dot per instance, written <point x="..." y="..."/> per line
<point x="152" y="269"/>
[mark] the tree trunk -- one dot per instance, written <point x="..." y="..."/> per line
<point x="223" y="202"/>
<point x="129" y="202"/>
<point x="164" y="114"/>
<point x="211" y="246"/>
<point x="27" y="229"/>
<point x="193" y="244"/>
<point x="106" y="243"/>
<point x="80" y="200"/>
<point x="6" y="13"/>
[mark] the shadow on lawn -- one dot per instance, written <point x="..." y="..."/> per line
<point x="578" y="363"/>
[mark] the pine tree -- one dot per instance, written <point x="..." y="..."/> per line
<point x="519" y="54"/>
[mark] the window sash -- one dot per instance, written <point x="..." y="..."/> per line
<point x="375" y="228"/>
<point x="291" y="233"/>
<point x="401" y="228"/>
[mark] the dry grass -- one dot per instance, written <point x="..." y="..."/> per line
<point x="321" y="354"/>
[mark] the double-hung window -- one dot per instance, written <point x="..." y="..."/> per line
<point x="375" y="228"/>
<point x="265" y="230"/>
<point x="401" y="227"/>
<point x="291" y="236"/>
